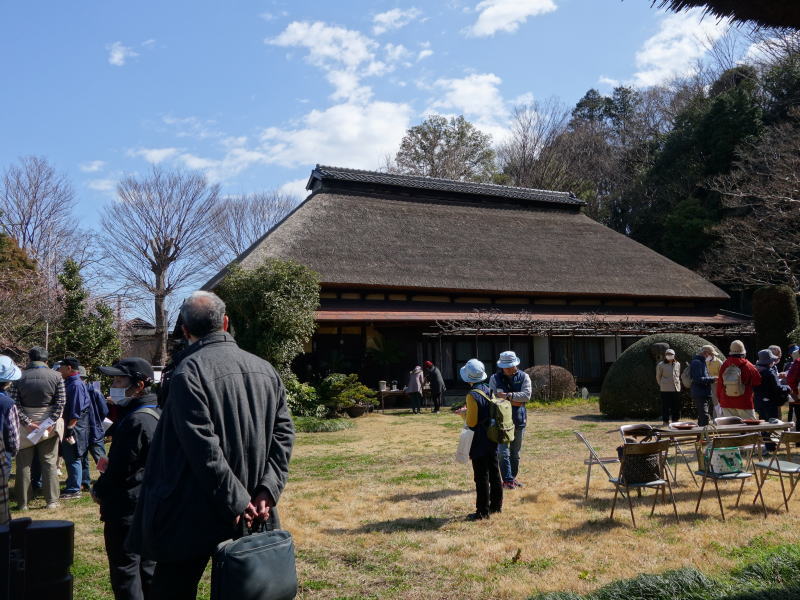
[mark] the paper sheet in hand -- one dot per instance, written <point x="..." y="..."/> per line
<point x="107" y="423"/>
<point x="37" y="434"/>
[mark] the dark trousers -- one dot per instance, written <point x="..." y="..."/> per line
<point x="670" y="406"/>
<point x="178" y="580"/>
<point x="130" y="575"/>
<point x="488" y="484"/>
<point x="436" y="397"/>
<point x="416" y="401"/>
<point x="702" y="405"/>
<point x="767" y="411"/>
<point x="98" y="450"/>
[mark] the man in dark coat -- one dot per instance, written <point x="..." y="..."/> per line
<point x="76" y="426"/>
<point x="118" y="487"/>
<point x="701" y="384"/>
<point x="436" y="381"/>
<point x="98" y="411"/>
<point x="220" y="453"/>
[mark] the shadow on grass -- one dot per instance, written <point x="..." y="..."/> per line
<point x="395" y="525"/>
<point x="432" y="495"/>
<point x="591" y="417"/>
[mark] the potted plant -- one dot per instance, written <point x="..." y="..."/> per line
<point x="345" y="393"/>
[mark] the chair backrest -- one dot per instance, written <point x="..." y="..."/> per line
<point x="592" y="453"/>
<point x="646" y="448"/>
<point x="737" y="441"/>
<point x="728" y="421"/>
<point x="639" y="430"/>
<point x="789" y="438"/>
<point x="643" y="462"/>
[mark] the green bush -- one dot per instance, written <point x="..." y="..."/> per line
<point x="630" y="388"/>
<point x="339" y="391"/>
<point x="551" y="383"/>
<point x="774" y="315"/>
<point x="302" y="398"/>
<point x="317" y="425"/>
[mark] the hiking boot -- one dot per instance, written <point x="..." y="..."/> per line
<point x="493" y="511"/>
<point x="70" y="495"/>
<point x="53" y="506"/>
<point x="21" y="508"/>
<point x="477" y="516"/>
<point x="508" y="485"/>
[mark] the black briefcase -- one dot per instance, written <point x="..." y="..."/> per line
<point x="257" y="565"/>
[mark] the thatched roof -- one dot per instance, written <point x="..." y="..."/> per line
<point x="408" y="237"/>
<point x="765" y="13"/>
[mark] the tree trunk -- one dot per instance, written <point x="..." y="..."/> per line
<point x="160" y="355"/>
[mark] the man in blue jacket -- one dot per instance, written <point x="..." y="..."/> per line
<point x="76" y="430"/>
<point x="701" y="384"/>
<point x="515" y="385"/>
<point x="98" y="411"/>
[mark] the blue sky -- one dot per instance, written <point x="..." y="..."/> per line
<point x="255" y="93"/>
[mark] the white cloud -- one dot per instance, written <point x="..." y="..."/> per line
<point x="476" y="96"/>
<point x="345" y="55"/>
<point x="118" y="53"/>
<point x="396" y="52"/>
<point x="349" y="134"/>
<point x="193" y="127"/>
<point x="394" y="19"/>
<point x="424" y="54"/>
<point x="149" y="43"/>
<point x="609" y="81"/>
<point x="674" y="51"/>
<point x="102" y="185"/>
<point x="295" y="188"/>
<point x="234" y="162"/>
<point x="154" y="155"/>
<point x="506" y="15"/>
<point x="93" y="166"/>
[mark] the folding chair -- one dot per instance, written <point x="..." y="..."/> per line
<point x="781" y="467"/>
<point x="678" y="443"/>
<point x="746" y="443"/>
<point x="632" y="433"/>
<point x="594" y="459"/>
<point x="659" y="482"/>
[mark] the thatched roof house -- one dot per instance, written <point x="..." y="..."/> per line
<point x="765" y="13"/>
<point x="407" y="263"/>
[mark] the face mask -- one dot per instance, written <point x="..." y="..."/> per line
<point x="118" y="396"/>
<point x="709" y="358"/>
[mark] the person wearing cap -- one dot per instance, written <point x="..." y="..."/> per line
<point x="770" y="394"/>
<point x="668" y="378"/>
<point x="119" y="485"/>
<point x="39" y="395"/>
<point x="416" y="383"/>
<point x="514" y="385"/>
<point x="436" y="381"/>
<point x="98" y="411"/>
<point x="738" y="403"/>
<point x="76" y="426"/>
<point x="482" y="452"/>
<point x="792" y="353"/>
<point x="713" y="366"/>
<point x="701" y="383"/>
<point x="220" y="453"/>
<point x="9" y="428"/>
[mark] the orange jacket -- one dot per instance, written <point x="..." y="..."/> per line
<point x="750" y="377"/>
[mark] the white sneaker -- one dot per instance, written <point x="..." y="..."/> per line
<point x="53" y="506"/>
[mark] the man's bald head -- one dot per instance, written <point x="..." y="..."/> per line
<point x="203" y="313"/>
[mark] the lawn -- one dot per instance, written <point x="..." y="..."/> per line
<point x="377" y="511"/>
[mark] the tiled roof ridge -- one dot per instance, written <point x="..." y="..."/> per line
<point x="490" y="189"/>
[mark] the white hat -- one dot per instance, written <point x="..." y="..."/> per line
<point x="473" y="371"/>
<point x="8" y="370"/>
<point x="670" y="351"/>
<point x="737" y="347"/>
<point x="508" y="359"/>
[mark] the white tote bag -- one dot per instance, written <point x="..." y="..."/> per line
<point x="464" y="444"/>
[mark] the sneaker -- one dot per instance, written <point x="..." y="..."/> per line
<point x="70" y="495"/>
<point x="477" y="516"/>
<point x="517" y="483"/>
<point x="86" y="487"/>
<point x="508" y="485"/>
<point x="60" y="472"/>
<point x="21" y="508"/>
<point x="53" y="506"/>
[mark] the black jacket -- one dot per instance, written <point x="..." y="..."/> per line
<point x="224" y="434"/>
<point x="119" y="486"/>
<point x="770" y="391"/>
<point x="436" y="380"/>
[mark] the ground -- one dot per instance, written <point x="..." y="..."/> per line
<point x="377" y="511"/>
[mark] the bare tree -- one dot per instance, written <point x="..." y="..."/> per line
<point x="240" y="221"/>
<point x="156" y="235"/>
<point x="759" y="240"/>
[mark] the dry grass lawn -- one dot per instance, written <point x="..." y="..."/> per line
<point x="377" y="511"/>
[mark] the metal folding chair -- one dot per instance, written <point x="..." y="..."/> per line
<point x="594" y="459"/>
<point x="660" y="482"/>
<point x="783" y="468"/>
<point x="747" y="444"/>
<point x="637" y="432"/>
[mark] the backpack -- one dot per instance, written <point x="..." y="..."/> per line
<point x="500" y="429"/>
<point x="686" y="376"/>
<point x="732" y="379"/>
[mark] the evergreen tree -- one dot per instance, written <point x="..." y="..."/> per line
<point x="86" y="329"/>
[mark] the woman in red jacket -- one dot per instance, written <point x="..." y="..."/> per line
<point x="737" y="376"/>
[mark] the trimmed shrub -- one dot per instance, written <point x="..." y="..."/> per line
<point x="339" y="391"/>
<point x="551" y="382"/>
<point x="774" y="315"/>
<point x="315" y="425"/>
<point x="630" y="388"/>
<point x="302" y="398"/>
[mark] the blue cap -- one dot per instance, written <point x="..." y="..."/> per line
<point x="508" y="359"/>
<point x="473" y="371"/>
<point x="8" y="370"/>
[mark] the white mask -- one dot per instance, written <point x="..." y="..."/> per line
<point x="118" y="396"/>
<point x="709" y="358"/>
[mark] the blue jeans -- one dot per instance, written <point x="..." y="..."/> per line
<point x="97" y="450"/>
<point x="73" y="462"/>
<point x="509" y="455"/>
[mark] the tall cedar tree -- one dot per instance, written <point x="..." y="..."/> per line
<point x="87" y="333"/>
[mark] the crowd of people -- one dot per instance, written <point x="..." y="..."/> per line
<point x="734" y="387"/>
<point x="186" y="465"/>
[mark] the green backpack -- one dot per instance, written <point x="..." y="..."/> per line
<point x="501" y="422"/>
